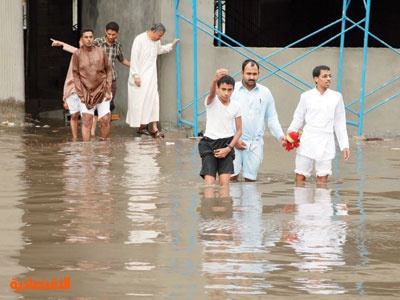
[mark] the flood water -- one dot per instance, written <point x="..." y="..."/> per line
<point x="129" y="218"/>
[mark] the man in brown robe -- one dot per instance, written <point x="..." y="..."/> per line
<point x="92" y="77"/>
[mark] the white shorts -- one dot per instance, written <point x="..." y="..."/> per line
<point x="249" y="159"/>
<point x="74" y="103"/>
<point x="304" y="166"/>
<point x="103" y="108"/>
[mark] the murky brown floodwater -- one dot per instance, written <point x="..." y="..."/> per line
<point x="130" y="219"/>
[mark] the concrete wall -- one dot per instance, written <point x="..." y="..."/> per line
<point x="135" y="17"/>
<point x="12" y="91"/>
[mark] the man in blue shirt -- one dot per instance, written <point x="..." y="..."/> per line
<point x="258" y="107"/>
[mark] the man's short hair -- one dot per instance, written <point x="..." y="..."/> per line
<point x="317" y="70"/>
<point x="252" y="63"/>
<point x="86" y="30"/>
<point x="158" y="27"/>
<point x="226" y="79"/>
<point x="112" y="26"/>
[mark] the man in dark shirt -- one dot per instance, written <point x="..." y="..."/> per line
<point x="114" y="52"/>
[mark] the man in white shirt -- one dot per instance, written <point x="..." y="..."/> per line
<point x="322" y="112"/>
<point x="143" y="97"/>
<point x="258" y="107"/>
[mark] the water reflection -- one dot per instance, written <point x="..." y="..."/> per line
<point x="87" y="179"/>
<point x="142" y="176"/>
<point x="236" y="241"/>
<point x="317" y="238"/>
<point x="13" y="192"/>
<point x="130" y="218"/>
<point x="360" y="238"/>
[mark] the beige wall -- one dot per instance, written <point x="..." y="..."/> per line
<point x="12" y="95"/>
<point x="133" y="17"/>
<point x="136" y="16"/>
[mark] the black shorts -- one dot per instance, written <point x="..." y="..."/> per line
<point x="212" y="165"/>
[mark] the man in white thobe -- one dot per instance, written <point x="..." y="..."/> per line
<point x="143" y="98"/>
<point x="322" y="112"/>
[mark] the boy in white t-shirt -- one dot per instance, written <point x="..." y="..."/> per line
<point x="223" y="130"/>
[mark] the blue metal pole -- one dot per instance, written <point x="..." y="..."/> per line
<point x="364" y="66"/>
<point x="178" y="67"/>
<point x="195" y="81"/>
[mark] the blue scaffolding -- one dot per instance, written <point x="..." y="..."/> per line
<point x="216" y="32"/>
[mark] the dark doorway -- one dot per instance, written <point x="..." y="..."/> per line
<point x="46" y="66"/>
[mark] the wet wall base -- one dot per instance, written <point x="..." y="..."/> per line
<point x="11" y="111"/>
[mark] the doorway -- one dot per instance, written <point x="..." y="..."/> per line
<point x="46" y="66"/>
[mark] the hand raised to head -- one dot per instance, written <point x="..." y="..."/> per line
<point x="219" y="73"/>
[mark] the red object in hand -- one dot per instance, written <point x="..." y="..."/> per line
<point x="292" y="140"/>
<point x="65" y="105"/>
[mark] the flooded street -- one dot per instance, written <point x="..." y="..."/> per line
<point x="129" y="218"/>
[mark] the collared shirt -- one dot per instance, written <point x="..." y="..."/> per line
<point x="258" y="107"/>
<point x="113" y="52"/>
<point x="322" y="115"/>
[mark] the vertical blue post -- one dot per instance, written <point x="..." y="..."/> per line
<point x="364" y="66"/>
<point x="341" y="51"/>
<point x="178" y="66"/>
<point x="195" y="81"/>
